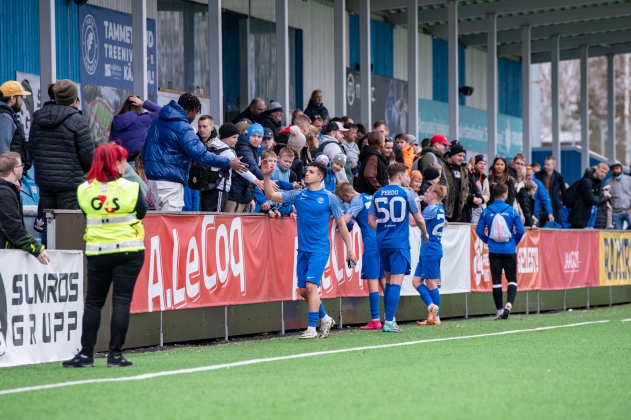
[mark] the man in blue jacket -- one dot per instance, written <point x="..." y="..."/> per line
<point x="171" y="146"/>
<point x="541" y="199"/>
<point x="502" y="246"/>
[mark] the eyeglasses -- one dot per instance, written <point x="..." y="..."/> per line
<point x="19" y="166"/>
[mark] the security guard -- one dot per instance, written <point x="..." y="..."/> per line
<point x="114" y="248"/>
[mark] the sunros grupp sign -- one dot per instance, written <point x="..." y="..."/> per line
<point x="107" y="50"/>
<point x="41" y="307"/>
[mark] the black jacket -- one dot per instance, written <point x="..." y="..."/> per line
<point x="269" y="122"/>
<point x="13" y="234"/>
<point x="242" y="190"/>
<point x="247" y="114"/>
<point x="61" y="146"/>
<point x="557" y="189"/>
<point x="527" y="204"/>
<point x="361" y="186"/>
<point x="589" y="194"/>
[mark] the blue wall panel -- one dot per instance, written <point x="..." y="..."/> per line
<point x="570" y="163"/>
<point x="68" y="45"/>
<point x="509" y="87"/>
<point x="381" y="46"/>
<point x="440" y="70"/>
<point x="19" y="43"/>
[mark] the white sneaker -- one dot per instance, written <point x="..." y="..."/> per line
<point x="325" y="328"/>
<point x="309" y="334"/>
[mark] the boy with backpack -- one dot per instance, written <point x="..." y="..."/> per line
<point x="505" y="230"/>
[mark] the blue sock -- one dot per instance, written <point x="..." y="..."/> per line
<point x="321" y="311"/>
<point x="374" y="305"/>
<point x="425" y="294"/>
<point x="393" y="301"/>
<point x="313" y="319"/>
<point x="385" y="295"/>
<point x="435" y="294"/>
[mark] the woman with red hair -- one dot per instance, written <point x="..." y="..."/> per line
<point x="114" y="248"/>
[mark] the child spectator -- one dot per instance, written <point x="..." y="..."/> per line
<point x="268" y="140"/>
<point x="329" y="181"/>
<point x="416" y="179"/>
<point x="242" y="191"/>
<point x="525" y="196"/>
<point x="408" y="151"/>
<point x="283" y="171"/>
<point x="272" y="208"/>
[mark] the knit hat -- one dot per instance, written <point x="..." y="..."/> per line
<point x="296" y="140"/>
<point x="480" y="158"/>
<point x="430" y="173"/>
<point x="66" y="92"/>
<point x="339" y="158"/>
<point x="255" y="128"/>
<point x="322" y="158"/>
<point x="413" y="140"/>
<point x="457" y="148"/>
<point x="414" y="175"/>
<point x="439" y="138"/>
<point x="228" y="130"/>
<point x="273" y="107"/>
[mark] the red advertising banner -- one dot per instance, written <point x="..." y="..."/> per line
<point x="570" y="259"/>
<point x="528" y="264"/>
<point x="194" y="262"/>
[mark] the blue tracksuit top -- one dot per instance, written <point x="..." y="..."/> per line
<point x="513" y="220"/>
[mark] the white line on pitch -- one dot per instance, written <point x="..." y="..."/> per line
<point x="274" y="359"/>
<point x="626" y="320"/>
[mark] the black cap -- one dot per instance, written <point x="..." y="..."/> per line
<point x="480" y="158"/>
<point x="430" y="173"/>
<point x="268" y="133"/>
<point x="228" y="130"/>
<point x="457" y="148"/>
<point x="332" y="126"/>
<point x="245" y="120"/>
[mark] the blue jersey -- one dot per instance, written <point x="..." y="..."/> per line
<point x="392" y="204"/>
<point x="314" y="209"/>
<point x="434" y="216"/>
<point x="358" y="208"/>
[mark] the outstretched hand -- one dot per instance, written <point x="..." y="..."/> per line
<point x="237" y="165"/>
<point x="266" y="168"/>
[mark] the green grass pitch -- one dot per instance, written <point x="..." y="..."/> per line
<point x="580" y="372"/>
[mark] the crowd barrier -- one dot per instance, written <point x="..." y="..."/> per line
<point x="208" y="276"/>
<point x="195" y="262"/>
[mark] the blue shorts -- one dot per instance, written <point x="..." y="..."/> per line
<point x="395" y="261"/>
<point x="310" y="268"/>
<point x="371" y="265"/>
<point x="428" y="268"/>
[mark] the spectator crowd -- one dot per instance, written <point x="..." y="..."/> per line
<point x="217" y="168"/>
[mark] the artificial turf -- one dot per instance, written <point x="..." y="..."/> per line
<point x="573" y="373"/>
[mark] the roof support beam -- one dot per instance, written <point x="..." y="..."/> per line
<point x="569" y="43"/>
<point x="554" y="96"/>
<point x="525" y="92"/>
<point x="365" y="89"/>
<point x="539" y="19"/>
<point x="584" y="110"/>
<point x="216" y="64"/>
<point x="491" y="83"/>
<point x="546" y="32"/>
<point x="611" y="109"/>
<point x="575" y="54"/>
<point x="378" y="5"/>
<point x="339" y="28"/>
<point x="452" y="51"/>
<point x="469" y="11"/>
<point x="413" y="68"/>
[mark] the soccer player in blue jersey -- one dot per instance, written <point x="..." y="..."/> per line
<point x="371" y="266"/>
<point x="428" y="269"/>
<point x="314" y="207"/>
<point x="388" y="215"/>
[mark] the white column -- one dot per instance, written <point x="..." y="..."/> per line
<point x="364" y="63"/>
<point x="611" y="108"/>
<point x="584" y="109"/>
<point x="282" y="58"/>
<point x="491" y="83"/>
<point x="139" y="39"/>
<point x="452" y="38"/>
<point x="216" y="62"/>
<point x="413" y="68"/>
<point x="339" y="28"/>
<point x="47" y="46"/>
<point x="554" y="92"/>
<point x="525" y="92"/>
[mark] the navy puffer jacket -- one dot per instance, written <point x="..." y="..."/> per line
<point x="242" y="190"/>
<point x="172" y="144"/>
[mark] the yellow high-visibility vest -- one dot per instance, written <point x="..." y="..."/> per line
<point x="112" y="225"/>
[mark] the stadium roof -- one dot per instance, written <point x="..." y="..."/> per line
<point x="605" y="26"/>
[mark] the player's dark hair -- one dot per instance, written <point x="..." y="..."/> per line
<point x="395" y="169"/>
<point x="499" y="190"/>
<point x="190" y="102"/>
<point x="321" y="167"/>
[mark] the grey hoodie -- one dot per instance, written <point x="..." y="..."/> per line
<point x="620" y="194"/>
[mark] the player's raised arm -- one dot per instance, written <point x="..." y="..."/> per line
<point x="270" y="194"/>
